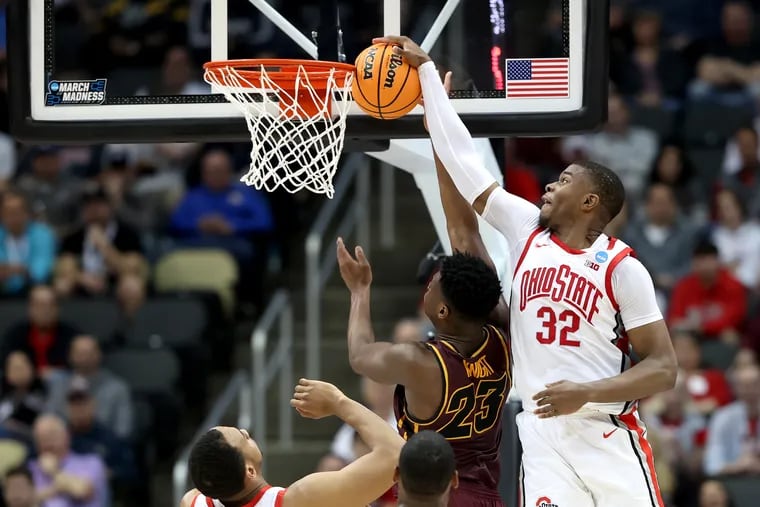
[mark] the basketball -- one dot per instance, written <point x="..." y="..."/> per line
<point x="385" y="86"/>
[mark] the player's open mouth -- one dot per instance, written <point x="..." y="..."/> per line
<point x="544" y="201"/>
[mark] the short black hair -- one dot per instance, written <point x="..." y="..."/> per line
<point x="21" y="470"/>
<point x="607" y="185"/>
<point x="705" y="247"/>
<point x="216" y="468"/>
<point x="426" y="464"/>
<point x="470" y="285"/>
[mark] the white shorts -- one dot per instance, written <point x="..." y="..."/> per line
<point x="589" y="460"/>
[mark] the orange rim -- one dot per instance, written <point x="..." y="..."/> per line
<point x="282" y="71"/>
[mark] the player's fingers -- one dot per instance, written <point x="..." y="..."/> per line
<point x="546" y="410"/>
<point x="552" y="384"/>
<point x="390" y="39"/>
<point x="447" y="82"/>
<point x="360" y="255"/>
<point x="541" y="395"/>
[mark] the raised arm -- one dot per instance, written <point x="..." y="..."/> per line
<point x="363" y="481"/>
<point x="383" y="362"/>
<point x="512" y="216"/>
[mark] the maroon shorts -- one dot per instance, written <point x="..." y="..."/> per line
<point x="465" y="496"/>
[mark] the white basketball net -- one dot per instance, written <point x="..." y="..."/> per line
<point x="292" y="146"/>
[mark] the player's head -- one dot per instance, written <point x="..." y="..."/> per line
<point x="465" y="288"/>
<point x="585" y="191"/>
<point x="225" y="464"/>
<point x="426" y="469"/>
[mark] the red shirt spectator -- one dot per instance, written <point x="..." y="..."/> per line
<point x="709" y="300"/>
<point x="707" y="388"/>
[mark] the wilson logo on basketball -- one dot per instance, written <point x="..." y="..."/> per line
<point x="369" y="62"/>
<point x="545" y="501"/>
<point x="561" y="285"/>
<point x="394" y="63"/>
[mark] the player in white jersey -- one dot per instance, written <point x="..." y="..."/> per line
<point x="577" y="300"/>
<point x="225" y="463"/>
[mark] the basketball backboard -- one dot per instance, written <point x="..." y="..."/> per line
<point x="521" y="67"/>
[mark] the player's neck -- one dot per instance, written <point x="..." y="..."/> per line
<point x="250" y="496"/>
<point x="577" y="236"/>
<point x="466" y="337"/>
<point x="438" y="502"/>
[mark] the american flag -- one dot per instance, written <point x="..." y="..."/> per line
<point x="538" y="78"/>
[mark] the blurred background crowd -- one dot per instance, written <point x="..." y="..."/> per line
<point x="117" y="261"/>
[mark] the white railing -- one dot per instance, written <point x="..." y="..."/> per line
<point x="238" y="389"/>
<point x="320" y="261"/>
<point x="265" y="368"/>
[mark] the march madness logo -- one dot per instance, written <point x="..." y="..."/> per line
<point x="80" y="93"/>
<point x="545" y="501"/>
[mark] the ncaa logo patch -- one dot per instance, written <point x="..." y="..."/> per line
<point x="545" y="501"/>
<point x="601" y="256"/>
<point x="80" y="93"/>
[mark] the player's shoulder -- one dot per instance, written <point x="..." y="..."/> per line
<point x="189" y="499"/>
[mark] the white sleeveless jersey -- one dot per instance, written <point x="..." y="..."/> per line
<point x="267" y="497"/>
<point x="564" y="321"/>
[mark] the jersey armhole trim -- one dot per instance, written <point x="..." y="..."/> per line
<point x="608" y="275"/>
<point x="209" y="502"/>
<point x="444" y="393"/>
<point x="507" y="356"/>
<point x="280" y="499"/>
<point x="524" y="252"/>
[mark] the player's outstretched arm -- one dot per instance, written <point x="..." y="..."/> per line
<point x="363" y="481"/>
<point x="633" y="291"/>
<point x="509" y="214"/>
<point x="383" y="362"/>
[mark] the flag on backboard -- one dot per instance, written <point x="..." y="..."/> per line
<point x="538" y="78"/>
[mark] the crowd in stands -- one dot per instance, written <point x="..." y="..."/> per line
<point x="99" y="223"/>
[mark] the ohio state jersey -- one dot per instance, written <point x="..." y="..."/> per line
<point x="267" y="497"/>
<point x="565" y="322"/>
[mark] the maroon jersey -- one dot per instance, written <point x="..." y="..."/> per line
<point x="474" y="392"/>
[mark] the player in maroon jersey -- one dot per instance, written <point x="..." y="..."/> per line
<point x="456" y="383"/>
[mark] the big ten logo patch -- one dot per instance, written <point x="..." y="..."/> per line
<point x="545" y="501"/>
<point x="592" y="265"/>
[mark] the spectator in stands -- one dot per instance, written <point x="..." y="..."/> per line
<point x="628" y="149"/>
<point x="682" y="431"/>
<point x="53" y="195"/>
<point x="662" y="238"/>
<point x="130" y="295"/>
<point x="713" y="494"/>
<point x="112" y="398"/>
<point x="23" y="396"/>
<point x="731" y="62"/>
<point x="43" y="337"/>
<point x="378" y="398"/>
<point x="707" y="387"/>
<point x="90" y="436"/>
<point x="103" y="249"/>
<point x="733" y="437"/>
<point x="27" y="248"/>
<point x="733" y="159"/>
<point x="652" y="74"/>
<point x="145" y="210"/>
<point x="746" y="179"/>
<point x="62" y="477"/>
<point x="708" y="301"/>
<point x="223" y="213"/>
<point x="178" y="74"/>
<point x="18" y="488"/>
<point x="737" y="238"/>
<point x="672" y="168"/>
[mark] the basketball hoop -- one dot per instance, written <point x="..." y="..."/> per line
<point x="296" y="114"/>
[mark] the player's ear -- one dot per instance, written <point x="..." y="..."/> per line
<point x="455" y="480"/>
<point x="250" y="471"/>
<point x="396" y="474"/>
<point x="590" y="201"/>
<point x="443" y="311"/>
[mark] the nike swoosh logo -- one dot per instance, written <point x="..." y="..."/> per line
<point x="541" y="245"/>
<point x="607" y="435"/>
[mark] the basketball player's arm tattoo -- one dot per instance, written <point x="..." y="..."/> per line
<point x="464" y="231"/>
<point x="383" y="362"/>
<point x="363" y="481"/>
<point x="656" y="372"/>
